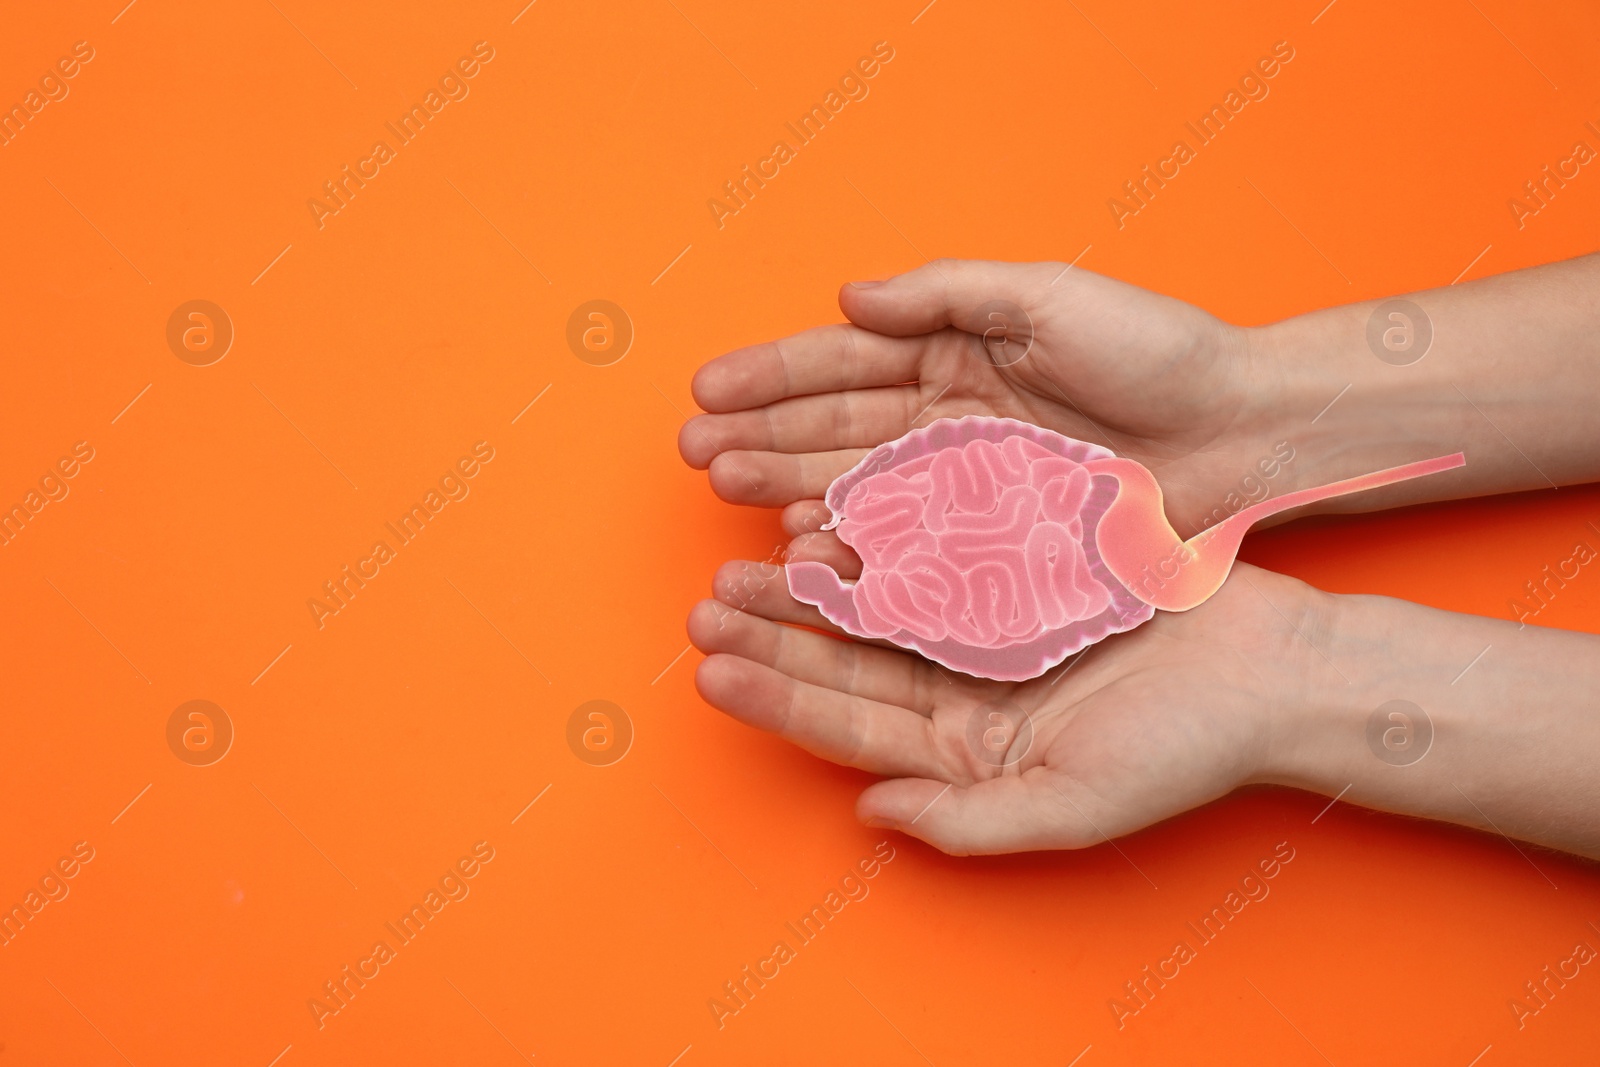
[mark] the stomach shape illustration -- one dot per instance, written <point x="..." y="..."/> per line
<point x="998" y="548"/>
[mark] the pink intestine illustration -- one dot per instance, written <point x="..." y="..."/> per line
<point x="998" y="548"/>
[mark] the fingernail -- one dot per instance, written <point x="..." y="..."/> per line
<point x="866" y="285"/>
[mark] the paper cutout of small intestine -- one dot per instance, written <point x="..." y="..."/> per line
<point x="998" y="548"/>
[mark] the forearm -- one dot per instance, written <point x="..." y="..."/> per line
<point x="1513" y="712"/>
<point x="1511" y="377"/>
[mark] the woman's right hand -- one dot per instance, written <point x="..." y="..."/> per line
<point x="1149" y="377"/>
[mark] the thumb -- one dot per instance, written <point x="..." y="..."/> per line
<point x="945" y="292"/>
<point x="1014" y="813"/>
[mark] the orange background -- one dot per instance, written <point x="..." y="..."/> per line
<point x="423" y="718"/>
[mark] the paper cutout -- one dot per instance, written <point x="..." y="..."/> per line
<point x="998" y="548"/>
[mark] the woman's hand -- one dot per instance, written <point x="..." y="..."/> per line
<point x="1148" y="376"/>
<point x="1375" y="701"/>
<point x="1270" y="680"/>
<point x="1506" y="369"/>
<point x="1144" y="725"/>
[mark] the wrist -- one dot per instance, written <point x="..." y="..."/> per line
<point x="1389" y="685"/>
<point x="1346" y="412"/>
<point x="1278" y="626"/>
<point x="1472" y="720"/>
<point x="1460" y="675"/>
<point x="1315" y="730"/>
<point x="1311" y="709"/>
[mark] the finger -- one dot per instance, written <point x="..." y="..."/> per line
<point x="946" y="292"/>
<point x="856" y="732"/>
<point x="825" y="547"/>
<point x="775" y="480"/>
<point x="763" y="589"/>
<point x="1013" y="813"/>
<point x="805" y="516"/>
<point x="860" y="670"/>
<point x="824" y="360"/>
<point x="859" y="418"/>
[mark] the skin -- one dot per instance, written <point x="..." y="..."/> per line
<point x="1269" y="681"/>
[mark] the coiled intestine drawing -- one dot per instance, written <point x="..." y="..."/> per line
<point x="998" y="548"/>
